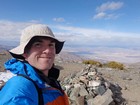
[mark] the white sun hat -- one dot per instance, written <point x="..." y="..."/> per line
<point x="31" y="31"/>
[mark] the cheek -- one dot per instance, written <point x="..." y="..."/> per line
<point x="30" y="56"/>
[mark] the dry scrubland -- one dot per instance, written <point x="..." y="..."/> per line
<point x="128" y="79"/>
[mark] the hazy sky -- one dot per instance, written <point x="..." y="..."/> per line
<point x="79" y="22"/>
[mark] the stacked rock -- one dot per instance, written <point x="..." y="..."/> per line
<point x="88" y="87"/>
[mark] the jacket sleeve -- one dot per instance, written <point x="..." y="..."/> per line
<point x="19" y="91"/>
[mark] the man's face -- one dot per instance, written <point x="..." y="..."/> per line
<point x="41" y="54"/>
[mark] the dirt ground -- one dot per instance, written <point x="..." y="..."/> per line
<point x="128" y="80"/>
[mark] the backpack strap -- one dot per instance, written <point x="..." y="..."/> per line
<point x="40" y="96"/>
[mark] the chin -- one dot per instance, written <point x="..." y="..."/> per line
<point x="45" y="68"/>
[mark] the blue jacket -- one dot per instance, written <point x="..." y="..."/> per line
<point x="21" y="91"/>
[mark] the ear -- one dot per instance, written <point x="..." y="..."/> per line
<point x="25" y="55"/>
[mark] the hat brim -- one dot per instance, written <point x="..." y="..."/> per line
<point x="19" y="50"/>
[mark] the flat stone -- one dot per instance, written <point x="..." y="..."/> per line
<point x="105" y="99"/>
<point x="100" y="90"/>
<point x="83" y="91"/>
<point x="94" y="83"/>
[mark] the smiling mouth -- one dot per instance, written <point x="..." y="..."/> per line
<point x="46" y="57"/>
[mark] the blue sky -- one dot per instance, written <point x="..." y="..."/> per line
<point x="81" y="23"/>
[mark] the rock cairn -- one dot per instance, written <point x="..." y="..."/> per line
<point x="88" y="87"/>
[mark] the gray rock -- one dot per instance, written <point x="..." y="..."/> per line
<point x="105" y="99"/>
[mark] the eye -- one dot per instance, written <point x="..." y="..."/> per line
<point x="37" y="44"/>
<point x="52" y="45"/>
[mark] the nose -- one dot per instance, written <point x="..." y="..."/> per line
<point x="47" y="50"/>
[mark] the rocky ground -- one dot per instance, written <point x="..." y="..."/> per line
<point x="128" y="80"/>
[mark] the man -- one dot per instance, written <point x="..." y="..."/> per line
<point x="34" y="61"/>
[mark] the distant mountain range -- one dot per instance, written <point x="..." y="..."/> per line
<point x="102" y="54"/>
<point x="5" y="47"/>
